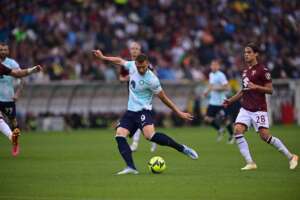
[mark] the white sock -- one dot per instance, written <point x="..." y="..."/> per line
<point x="136" y="136"/>
<point x="4" y="128"/>
<point x="243" y="147"/>
<point x="280" y="147"/>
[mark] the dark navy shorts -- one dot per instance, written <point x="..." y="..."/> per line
<point x="136" y="120"/>
<point x="213" y="111"/>
<point x="8" y="109"/>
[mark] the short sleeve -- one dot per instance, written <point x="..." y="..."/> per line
<point x="15" y="65"/>
<point x="155" y="86"/>
<point x="128" y="65"/>
<point x="223" y="79"/>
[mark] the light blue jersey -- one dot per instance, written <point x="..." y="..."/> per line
<point x="7" y="82"/>
<point x="217" y="78"/>
<point x="141" y="88"/>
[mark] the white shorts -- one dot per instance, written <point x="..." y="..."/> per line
<point x="257" y="119"/>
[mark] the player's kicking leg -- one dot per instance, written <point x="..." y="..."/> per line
<point x="164" y="140"/>
<point x="278" y="144"/>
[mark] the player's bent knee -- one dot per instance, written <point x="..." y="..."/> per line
<point x="239" y="128"/>
<point x="122" y="132"/>
<point x="148" y="136"/>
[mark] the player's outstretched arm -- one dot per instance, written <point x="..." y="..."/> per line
<point x="19" y="73"/>
<point x="233" y="99"/>
<point x="167" y="101"/>
<point x="115" y="60"/>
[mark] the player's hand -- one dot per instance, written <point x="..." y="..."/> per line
<point x="185" y="116"/>
<point x="37" y="68"/>
<point x="226" y="103"/>
<point x="251" y="86"/>
<point x="98" y="54"/>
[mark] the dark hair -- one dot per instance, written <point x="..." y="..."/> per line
<point x="254" y="47"/>
<point x="141" y="58"/>
<point x="3" y="43"/>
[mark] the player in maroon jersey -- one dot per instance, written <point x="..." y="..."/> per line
<point x="135" y="50"/>
<point x="257" y="83"/>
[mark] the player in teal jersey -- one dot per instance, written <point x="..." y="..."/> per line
<point x="143" y="84"/>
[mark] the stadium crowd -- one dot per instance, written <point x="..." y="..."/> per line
<point x="181" y="37"/>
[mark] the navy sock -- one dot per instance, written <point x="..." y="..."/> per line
<point x="230" y="130"/>
<point x="164" y="140"/>
<point x="215" y="125"/>
<point x="125" y="151"/>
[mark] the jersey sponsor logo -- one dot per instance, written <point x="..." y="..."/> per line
<point x="141" y="82"/>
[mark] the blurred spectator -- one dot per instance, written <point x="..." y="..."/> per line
<point x="182" y="36"/>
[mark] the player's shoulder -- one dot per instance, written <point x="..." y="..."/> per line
<point x="151" y="77"/>
<point x="220" y="73"/>
<point x="263" y="67"/>
<point x="11" y="63"/>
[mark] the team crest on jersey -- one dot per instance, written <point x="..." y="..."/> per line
<point x="143" y="117"/>
<point x="268" y="76"/>
<point x="141" y="82"/>
<point x="253" y="72"/>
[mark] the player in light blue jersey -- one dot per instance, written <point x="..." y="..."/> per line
<point x="135" y="50"/>
<point x="216" y="113"/>
<point x="143" y="84"/>
<point x="9" y="68"/>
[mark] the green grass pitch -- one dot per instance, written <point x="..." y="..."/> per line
<point x="80" y="165"/>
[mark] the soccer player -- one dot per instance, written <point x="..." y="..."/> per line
<point x="217" y="88"/>
<point x="135" y="50"/>
<point x="143" y="84"/>
<point x="257" y="83"/>
<point x="9" y="67"/>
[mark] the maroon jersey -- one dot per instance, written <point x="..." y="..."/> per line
<point x="124" y="72"/>
<point x="4" y="70"/>
<point x="254" y="100"/>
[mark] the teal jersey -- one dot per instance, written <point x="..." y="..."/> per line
<point x="217" y="78"/>
<point x="141" y="88"/>
<point x="7" y="82"/>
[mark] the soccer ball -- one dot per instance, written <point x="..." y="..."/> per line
<point x="157" y="165"/>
